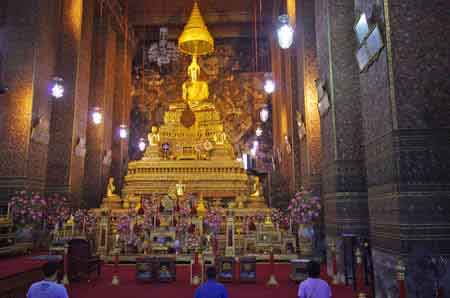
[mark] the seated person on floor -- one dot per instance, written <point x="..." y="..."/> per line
<point x="211" y="288"/>
<point x="48" y="288"/>
<point x="314" y="286"/>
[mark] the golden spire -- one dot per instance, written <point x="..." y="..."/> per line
<point x="195" y="39"/>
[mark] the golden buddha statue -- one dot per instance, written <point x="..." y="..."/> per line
<point x="257" y="189"/>
<point x="194" y="90"/>
<point x="110" y="188"/>
<point x="180" y="189"/>
<point x="153" y="137"/>
<point x="152" y="151"/>
<point x="256" y="197"/>
<point x="201" y="209"/>
<point x="112" y="200"/>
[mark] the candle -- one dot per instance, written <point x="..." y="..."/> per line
<point x="9" y="209"/>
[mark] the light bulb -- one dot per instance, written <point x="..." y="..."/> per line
<point x="285" y="32"/>
<point x="123" y="131"/>
<point x="142" y="145"/>
<point x="97" y="116"/>
<point x="57" y="90"/>
<point x="269" y="86"/>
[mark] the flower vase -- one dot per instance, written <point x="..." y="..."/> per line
<point x="305" y="239"/>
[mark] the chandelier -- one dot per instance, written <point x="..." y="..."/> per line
<point x="163" y="51"/>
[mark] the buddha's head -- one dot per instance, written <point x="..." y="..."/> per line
<point x="154" y="129"/>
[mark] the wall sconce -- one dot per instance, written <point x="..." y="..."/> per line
<point x="80" y="148"/>
<point x="323" y="102"/>
<point x="123" y="131"/>
<point x="269" y="84"/>
<point x="288" y="145"/>
<point x="300" y="126"/>
<point x="258" y="131"/>
<point x="264" y="114"/>
<point x="97" y="116"/>
<point x="107" y="158"/>
<point x="285" y="32"/>
<point x="142" y="145"/>
<point x="57" y="88"/>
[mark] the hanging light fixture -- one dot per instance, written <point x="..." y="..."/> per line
<point x="142" y="144"/>
<point x="264" y="114"/>
<point x="164" y="51"/>
<point x="97" y="116"/>
<point x="57" y="88"/>
<point x="285" y="32"/>
<point x="123" y="131"/>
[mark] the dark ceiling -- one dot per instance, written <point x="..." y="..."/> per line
<point x="224" y="18"/>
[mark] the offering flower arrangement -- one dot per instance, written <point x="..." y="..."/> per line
<point x="35" y="209"/>
<point x="213" y="219"/>
<point x="280" y="218"/>
<point x="304" y="207"/>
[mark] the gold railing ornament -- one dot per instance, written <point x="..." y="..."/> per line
<point x="195" y="38"/>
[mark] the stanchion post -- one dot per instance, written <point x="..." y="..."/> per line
<point x="360" y="289"/>
<point x="401" y="279"/>
<point x="272" y="282"/>
<point x="115" y="280"/>
<point x="333" y="252"/>
<point x="195" y="280"/>
<point x="65" y="280"/>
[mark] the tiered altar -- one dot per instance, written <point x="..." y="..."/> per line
<point x="189" y="193"/>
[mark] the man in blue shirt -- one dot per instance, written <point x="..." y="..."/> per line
<point x="211" y="288"/>
<point x="48" y="288"/>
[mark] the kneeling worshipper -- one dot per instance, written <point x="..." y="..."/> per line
<point x="211" y="288"/>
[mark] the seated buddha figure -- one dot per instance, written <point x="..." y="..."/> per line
<point x="153" y="137"/>
<point x="195" y="91"/>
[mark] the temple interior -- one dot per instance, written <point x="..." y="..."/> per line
<point x="143" y="141"/>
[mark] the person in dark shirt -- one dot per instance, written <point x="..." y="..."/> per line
<point x="211" y="288"/>
<point x="48" y="288"/>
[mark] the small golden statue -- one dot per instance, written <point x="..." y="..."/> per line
<point x="201" y="209"/>
<point x="110" y="188"/>
<point x="256" y="188"/>
<point x="180" y="188"/>
<point x="256" y="196"/>
<point x="70" y="221"/>
<point x="268" y="221"/>
<point x="153" y="137"/>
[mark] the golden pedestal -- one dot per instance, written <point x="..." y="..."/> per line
<point x="112" y="202"/>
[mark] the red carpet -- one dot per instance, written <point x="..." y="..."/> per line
<point x="129" y="288"/>
<point x="12" y="266"/>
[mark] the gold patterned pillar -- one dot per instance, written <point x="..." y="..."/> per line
<point x="68" y="125"/>
<point x="28" y="39"/>
<point x="99" y="137"/>
<point x="307" y="119"/>
<point x="122" y="107"/>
